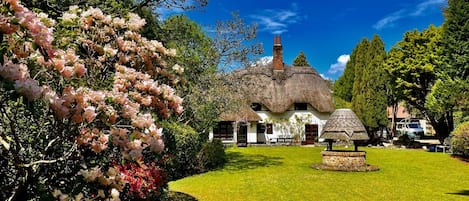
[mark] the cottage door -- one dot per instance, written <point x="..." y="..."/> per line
<point x="311" y="133"/>
<point x="242" y="136"/>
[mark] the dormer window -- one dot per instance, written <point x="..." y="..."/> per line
<point x="256" y="106"/>
<point x="301" y="106"/>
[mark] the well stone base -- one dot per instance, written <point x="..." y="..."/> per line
<point x="352" y="161"/>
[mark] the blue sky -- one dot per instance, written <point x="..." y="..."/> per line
<point x="326" y="31"/>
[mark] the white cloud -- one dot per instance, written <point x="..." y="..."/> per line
<point x="389" y="20"/>
<point x="410" y="11"/>
<point x="324" y="77"/>
<point x="424" y="6"/>
<point x="277" y="21"/>
<point x="340" y="65"/>
<point x="263" y="61"/>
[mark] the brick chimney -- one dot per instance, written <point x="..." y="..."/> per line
<point x="278" y="54"/>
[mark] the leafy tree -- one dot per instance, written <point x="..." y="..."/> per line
<point x="369" y="94"/>
<point x="413" y="63"/>
<point x="301" y="60"/>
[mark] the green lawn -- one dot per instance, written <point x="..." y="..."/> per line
<point x="284" y="173"/>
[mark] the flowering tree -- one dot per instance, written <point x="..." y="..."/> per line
<point x="86" y="125"/>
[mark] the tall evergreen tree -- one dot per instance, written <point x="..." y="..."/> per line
<point x="359" y="84"/>
<point x="301" y="60"/>
<point x="455" y="39"/>
<point x="376" y="77"/>
<point x="369" y="94"/>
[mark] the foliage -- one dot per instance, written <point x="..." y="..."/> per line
<point x="212" y="155"/>
<point x="369" y="92"/>
<point x="455" y="37"/>
<point x="413" y="64"/>
<point x="450" y="92"/>
<point x="204" y="92"/>
<point x="286" y="171"/>
<point x="358" y="95"/>
<point x="460" y="117"/>
<point x="460" y="140"/>
<point x="341" y="103"/>
<point x="183" y="144"/>
<point x="301" y="60"/>
<point x="100" y="87"/>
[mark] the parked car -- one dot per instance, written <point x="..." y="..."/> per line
<point x="411" y="129"/>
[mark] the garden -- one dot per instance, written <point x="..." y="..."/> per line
<point x="285" y="173"/>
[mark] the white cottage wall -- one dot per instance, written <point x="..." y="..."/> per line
<point x="315" y="117"/>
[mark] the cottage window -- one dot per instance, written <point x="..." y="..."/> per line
<point x="269" y="129"/>
<point x="301" y="106"/>
<point x="256" y="106"/>
<point x="223" y="130"/>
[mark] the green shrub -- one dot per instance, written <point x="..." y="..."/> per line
<point x="212" y="155"/>
<point x="183" y="145"/>
<point x="460" y="139"/>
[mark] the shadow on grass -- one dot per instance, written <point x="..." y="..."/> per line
<point x="238" y="161"/>
<point x="462" y="192"/>
<point x="180" y="196"/>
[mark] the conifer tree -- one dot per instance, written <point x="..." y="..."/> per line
<point x="369" y="94"/>
<point x="359" y="83"/>
<point x="301" y="60"/>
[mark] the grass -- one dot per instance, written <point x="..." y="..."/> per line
<point x="284" y="173"/>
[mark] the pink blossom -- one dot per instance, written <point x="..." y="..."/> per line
<point x="67" y="71"/>
<point x="12" y="71"/>
<point x="156" y="145"/>
<point x="69" y="17"/>
<point x="5" y="25"/>
<point x="118" y="22"/>
<point x="70" y="56"/>
<point x="135" y="22"/>
<point x="178" y="68"/>
<point x="108" y="49"/>
<point x="91" y="175"/>
<point x="89" y="114"/>
<point x="136" y="147"/>
<point x="142" y="121"/>
<point x="146" y="101"/>
<point x="59" y="64"/>
<point x="79" y="69"/>
<point x="29" y="88"/>
<point x="179" y="110"/>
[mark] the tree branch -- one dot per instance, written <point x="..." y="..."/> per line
<point x="50" y="161"/>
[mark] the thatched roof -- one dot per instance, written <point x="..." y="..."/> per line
<point x="343" y="124"/>
<point x="244" y="114"/>
<point x="278" y="90"/>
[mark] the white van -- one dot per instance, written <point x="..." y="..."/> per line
<point x="411" y="129"/>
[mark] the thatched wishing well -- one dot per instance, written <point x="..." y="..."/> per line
<point x="344" y="125"/>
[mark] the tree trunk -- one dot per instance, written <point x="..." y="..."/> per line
<point x="443" y="126"/>
<point x="395" y="108"/>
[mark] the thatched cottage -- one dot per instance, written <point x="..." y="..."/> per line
<point x="285" y="104"/>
